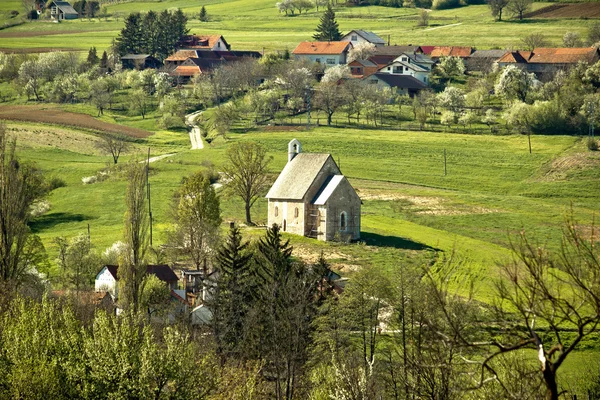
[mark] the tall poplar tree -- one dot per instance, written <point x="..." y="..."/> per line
<point x="328" y="29"/>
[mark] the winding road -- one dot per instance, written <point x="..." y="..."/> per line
<point x="195" y="136"/>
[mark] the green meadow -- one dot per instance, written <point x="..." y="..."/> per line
<point x="257" y="25"/>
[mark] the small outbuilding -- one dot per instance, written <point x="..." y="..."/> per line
<point x="61" y="10"/>
<point x="140" y="61"/>
<point x="312" y="198"/>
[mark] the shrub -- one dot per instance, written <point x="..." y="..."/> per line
<point x="169" y="121"/>
<point x="39" y="207"/>
<point x="56" y="183"/>
<point x="32" y="14"/>
<point x="445" y="4"/>
<point x="13" y="13"/>
<point x="592" y="144"/>
<point x="88" y="180"/>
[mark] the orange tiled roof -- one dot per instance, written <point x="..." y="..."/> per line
<point x="515" y="57"/>
<point x="563" y="55"/>
<point x="205" y="41"/>
<point x="321" y="47"/>
<point x="184" y="70"/>
<point x="182" y="55"/>
<point x="456" y="51"/>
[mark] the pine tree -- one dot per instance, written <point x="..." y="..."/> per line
<point x="275" y="255"/>
<point x="130" y="39"/>
<point x="203" y="15"/>
<point x="104" y="60"/>
<point x="328" y="29"/>
<point x="234" y="292"/>
<point x="150" y="37"/>
<point x="92" y="58"/>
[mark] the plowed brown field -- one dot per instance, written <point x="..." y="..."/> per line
<point x="581" y="10"/>
<point x="52" y="115"/>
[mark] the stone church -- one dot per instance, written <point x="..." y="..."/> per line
<point x="312" y="198"/>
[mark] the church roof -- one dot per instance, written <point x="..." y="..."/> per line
<point x="297" y="176"/>
<point x="327" y="190"/>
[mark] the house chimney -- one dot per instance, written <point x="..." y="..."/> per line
<point x="294" y="148"/>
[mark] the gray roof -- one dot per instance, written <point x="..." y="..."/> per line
<point x="135" y="56"/>
<point x="366" y="63"/>
<point x="369" y="36"/>
<point x="65" y="7"/>
<point x="297" y="176"/>
<point x="418" y="58"/>
<point x="413" y="66"/>
<point x="400" y="81"/>
<point x="327" y="190"/>
<point x="488" y="54"/>
<point x="395" y="50"/>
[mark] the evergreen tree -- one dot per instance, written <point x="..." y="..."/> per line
<point x="104" y="60"/>
<point x="328" y="29"/>
<point x="92" y="58"/>
<point x="275" y="255"/>
<point x="150" y="37"/>
<point x="234" y="293"/>
<point x="203" y="15"/>
<point x="130" y="39"/>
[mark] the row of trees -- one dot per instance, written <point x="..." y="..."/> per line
<point x="152" y="33"/>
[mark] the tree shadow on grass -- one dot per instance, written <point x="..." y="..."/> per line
<point x="50" y="220"/>
<point x="374" y="239"/>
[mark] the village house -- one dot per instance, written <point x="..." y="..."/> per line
<point x="62" y="10"/>
<point x="483" y="60"/>
<point x="359" y="36"/>
<point x="399" y="84"/>
<point x="450" y="51"/>
<point x="362" y="68"/>
<point x="195" y="66"/>
<point x="203" y="42"/>
<point x="106" y="279"/>
<point x="139" y="61"/>
<point x="312" y="198"/>
<point x="412" y="64"/>
<point x="545" y="62"/>
<point x="326" y="53"/>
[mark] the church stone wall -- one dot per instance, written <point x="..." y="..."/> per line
<point x="286" y="211"/>
<point x="343" y="199"/>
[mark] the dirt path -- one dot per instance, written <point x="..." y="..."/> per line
<point x="443" y="26"/>
<point x="195" y="135"/>
<point x="157" y="158"/>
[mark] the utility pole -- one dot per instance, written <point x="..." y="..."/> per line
<point x="308" y="98"/>
<point x="445" y="169"/>
<point x="148" y="193"/>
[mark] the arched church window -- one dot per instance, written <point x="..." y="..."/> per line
<point x="296" y="212"/>
<point x="276" y="211"/>
<point x="343" y="221"/>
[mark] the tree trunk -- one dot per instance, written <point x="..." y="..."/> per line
<point x="550" y="381"/>
<point x="248" y="218"/>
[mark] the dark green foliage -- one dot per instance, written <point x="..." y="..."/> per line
<point x="592" y="144"/>
<point x="32" y="14"/>
<point x="234" y="294"/>
<point x="104" y="60"/>
<point x="203" y="16"/>
<point x="92" y="58"/>
<point x="154" y="34"/>
<point x="328" y="29"/>
<point x="55" y="183"/>
<point x="91" y="8"/>
<point x="79" y="6"/>
<point x="445" y="4"/>
<point x="275" y="255"/>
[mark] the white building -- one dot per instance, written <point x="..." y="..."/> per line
<point x="359" y="36"/>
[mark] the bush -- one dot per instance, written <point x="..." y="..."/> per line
<point x="39" y="207"/>
<point x="169" y="121"/>
<point x="592" y="144"/>
<point x="32" y="14"/>
<point x="56" y="183"/>
<point x="13" y="13"/>
<point x="445" y="4"/>
<point x="88" y="180"/>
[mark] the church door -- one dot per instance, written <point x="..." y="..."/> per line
<point x="284" y="225"/>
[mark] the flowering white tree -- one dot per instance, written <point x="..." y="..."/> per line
<point x="335" y="73"/>
<point x="514" y="83"/>
<point x="361" y="51"/>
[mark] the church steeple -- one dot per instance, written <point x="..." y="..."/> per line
<point x="294" y="147"/>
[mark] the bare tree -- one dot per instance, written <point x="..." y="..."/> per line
<point x="198" y="219"/>
<point x="113" y="144"/>
<point x="132" y="264"/>
<point x="20" y="186"/>
<point x="246" y="168"/>
<point x="540" y="295"/>
<point x="534" y="40"/>
<point x="497" y="6"/>
<point x="519" y="7"/>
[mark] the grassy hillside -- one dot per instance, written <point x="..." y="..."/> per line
<point x="256" y="24"/>
<point x="493" y="188"/>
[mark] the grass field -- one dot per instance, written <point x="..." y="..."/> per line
<point x="256" y="24"/>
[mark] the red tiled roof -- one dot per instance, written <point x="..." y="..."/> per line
<point x="427" y="49"/>
<point x="182" y="55"/>
<point x="322" y="47"/>
<point x="515" y="57"/>
<point x="455" y="51"/>
<point x="185" y="70"/>
<point x="563" y="55"/>
<point x="200" y="41"/>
